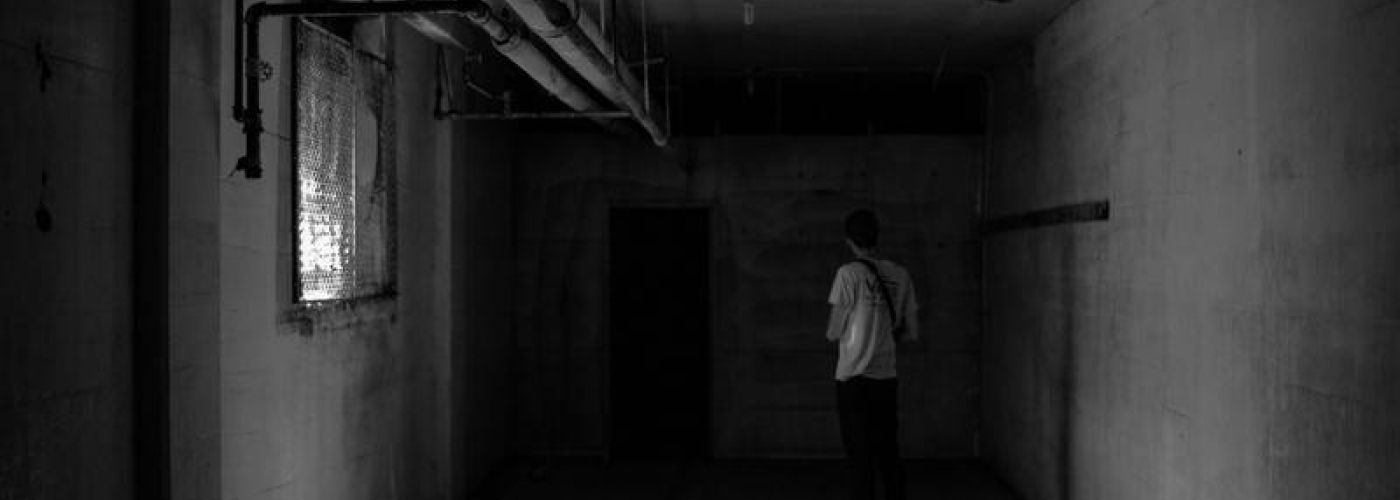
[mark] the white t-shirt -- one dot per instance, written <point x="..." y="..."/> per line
<point x="866" y="345"/>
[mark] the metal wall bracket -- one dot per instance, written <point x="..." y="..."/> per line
<point x="1066" y="214"/>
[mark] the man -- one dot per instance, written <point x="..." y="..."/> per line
<point x="872" y="307"/>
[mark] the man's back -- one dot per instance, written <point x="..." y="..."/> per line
<point x="867" y="344"/>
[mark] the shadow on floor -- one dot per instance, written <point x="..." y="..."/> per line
<point x="730" y="479"/>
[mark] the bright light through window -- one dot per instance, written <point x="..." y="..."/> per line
<point x="342" y="188"/>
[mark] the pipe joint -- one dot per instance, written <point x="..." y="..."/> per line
<point x="255" y="13"/>
<point x="500" y="34"/>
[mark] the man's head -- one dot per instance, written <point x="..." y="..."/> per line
<point x="862" y="230"/>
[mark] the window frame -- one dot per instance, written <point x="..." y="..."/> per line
<point x="388" y="288"/>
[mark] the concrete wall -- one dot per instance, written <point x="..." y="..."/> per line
<point x="362" y="400"/>
<point x="481" y="299"/>
<point x="136" y="153"/>
<point x="65" y="294"/>
<point x="305" y="415"/>
<point x="778" y="205"/>
<point x="1229" y="333"/>
<point x="73" y="305"/>
<point x="194" y="165"/>
<point x="425" y="254"/>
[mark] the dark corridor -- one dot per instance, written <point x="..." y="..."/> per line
<point x="660" y="317"/>
<point x="595" y="254"/>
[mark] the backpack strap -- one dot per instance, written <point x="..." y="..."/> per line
<point x="884" y="291"/>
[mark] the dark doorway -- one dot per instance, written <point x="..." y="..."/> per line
<point x="660" y="319"/>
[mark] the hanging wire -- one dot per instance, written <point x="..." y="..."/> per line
<point x="942" y="61"/>
<point x="445" y="101"/>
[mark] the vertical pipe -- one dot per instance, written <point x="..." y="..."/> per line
<point x="612" y="11"/>
<point x="238" y="60"/>
<point x="251" y="163"/>
<point x="667" y="84"/>
<point x="666" y="49"/>
<point x="646" y="64"/>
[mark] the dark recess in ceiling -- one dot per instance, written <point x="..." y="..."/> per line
<point x="832" y="103"/>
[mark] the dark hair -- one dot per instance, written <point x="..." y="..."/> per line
<point x="862" y="228"/>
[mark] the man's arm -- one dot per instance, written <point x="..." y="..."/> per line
<point x="911" y="327"/>
<point x="836" y="325"/>
<point x="911" y="314"/>
<point x="843" y="300"/>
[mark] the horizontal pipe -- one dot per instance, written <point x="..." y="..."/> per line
<point x="533" y="116"/>
<point x="349" y="9"/>
<point x="251" y="162"/>
<point x="519" y="50"/>
<point x="558" y="26"/>
<point x="524" y="53"/>
<point x="528" y="56"/>
<point x="591" y="30"/>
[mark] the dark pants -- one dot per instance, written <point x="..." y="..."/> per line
<point x="870" y="432"/>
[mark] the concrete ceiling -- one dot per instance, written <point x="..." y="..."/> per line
<point x="710" y="35"/>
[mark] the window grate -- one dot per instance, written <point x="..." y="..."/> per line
<point x="344" y="179"/>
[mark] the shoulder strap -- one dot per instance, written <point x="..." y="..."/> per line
<point x="884" y="291"/>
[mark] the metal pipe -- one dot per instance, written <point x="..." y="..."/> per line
<point x="251" y="162"/>
<point x="528" y="56"/>
<point x="666" y="48"/>
<point x="611" y="35"/>
<point x="667" y="98"/>
<point x="646" y="71"/>
<point x="605" y="45"/>
<point x="524" y="53"/>
<point x="251" y="115"/>
<point x="238" y="61"/>
<point x="602" y="18"/>
<point x="561" y="28"/>
<point x="353" y="9"/>
<point x="453" y="115"/>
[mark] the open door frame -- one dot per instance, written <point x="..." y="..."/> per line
<point x="713" y="247"/>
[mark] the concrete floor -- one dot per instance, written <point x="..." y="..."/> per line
<point x="730" y="480"/>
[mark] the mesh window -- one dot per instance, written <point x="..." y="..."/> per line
<point x="344" y="179"/>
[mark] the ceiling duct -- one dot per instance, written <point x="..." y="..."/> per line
<point x="575" y="37"/>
